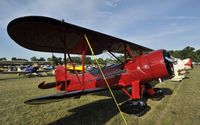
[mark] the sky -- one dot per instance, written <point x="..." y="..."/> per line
<point x="157" y="24"/>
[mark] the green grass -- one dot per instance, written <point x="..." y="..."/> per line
<point x="182" y="107"/>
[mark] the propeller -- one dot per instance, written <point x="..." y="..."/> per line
<point x="168" y="62"/>
<point x="171" y="60"/>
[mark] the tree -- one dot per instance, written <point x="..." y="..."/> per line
<point x="13" y="58"/>
<point x="187" y="52"/>
<point x="109" y="61"/>
<point x="101" y="61"/>
<point x="189" y="49"/>
<point x="197" y="56"/>
<point x="76" y="59"/>
<point x="88" y="60"/>
<point x="55" y="60"/>
<point x="3" y="59"/>
<point x="34" y="58"/>
<point x="198" y="52"/>
<point x="18" y="59"/>
<point x="41" y="59"/>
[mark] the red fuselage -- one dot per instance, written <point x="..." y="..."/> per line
<point x="144" y="69"/>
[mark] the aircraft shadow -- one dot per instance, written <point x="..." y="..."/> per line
<point x="167" y="91"/>
<point x="95" y="113"/>
<point x="101" y="111"/>
<point x="186" y="77"/>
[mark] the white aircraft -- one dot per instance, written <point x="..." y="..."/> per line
<point x="180" y="68"/>
<point x="188" y="63"/>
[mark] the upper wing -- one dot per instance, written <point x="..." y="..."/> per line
<point x="51" y="35"/>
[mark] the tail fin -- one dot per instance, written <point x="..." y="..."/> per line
<point x="60" y="73"/>
<point x="18" y="69"/>
<point x="60" y="78"/>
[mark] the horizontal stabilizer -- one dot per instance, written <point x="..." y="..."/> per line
<point x="61" y="96"/>
<point x="49" y="85"/>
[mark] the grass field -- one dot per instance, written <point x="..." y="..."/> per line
<point x="182" y="107"/>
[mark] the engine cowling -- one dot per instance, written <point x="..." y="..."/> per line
<point x="148" y="67"/>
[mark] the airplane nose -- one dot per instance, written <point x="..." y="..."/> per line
<point x="151" y="66"/>
<point x="168" y="62"/>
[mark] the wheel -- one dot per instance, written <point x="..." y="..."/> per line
<point x="158" y="95"/>
<point x="135" y="107"/>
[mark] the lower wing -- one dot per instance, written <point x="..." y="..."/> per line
<point x="61" y="96"/>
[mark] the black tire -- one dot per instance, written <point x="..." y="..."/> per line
<point x="158" y="95"/>
<point x="135" y="107"/>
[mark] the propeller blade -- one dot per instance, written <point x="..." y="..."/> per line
<point x="171" y="60"/>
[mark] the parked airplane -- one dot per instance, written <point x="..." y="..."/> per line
<point x="136" y="72"/>
<point x="180" y="68"/>
<point x="29" y="70"/>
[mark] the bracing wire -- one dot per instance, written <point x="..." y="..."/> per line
<point x="105" y="80"/>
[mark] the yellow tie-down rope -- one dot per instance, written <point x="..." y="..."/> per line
<point x="105" y="80"/>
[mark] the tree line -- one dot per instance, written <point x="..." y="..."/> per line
<point x="187" y="52"/>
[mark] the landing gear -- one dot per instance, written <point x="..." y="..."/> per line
<point x="158" y="95"/>
<point x="135" y="107"/>
<point x="155" y="94"/>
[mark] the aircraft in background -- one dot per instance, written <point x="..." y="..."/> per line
<point x="22" y="62"/>
<point x="29" y="70"/>
<point x="180" y="68"/>
<point x="136" y="71"/>
<point x="188" y="63"/>
<point x="48" y="67"/>
<point x="78" y="68"/>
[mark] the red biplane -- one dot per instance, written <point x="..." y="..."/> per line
<point x="136" y="72"/>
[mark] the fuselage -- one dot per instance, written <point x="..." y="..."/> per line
<point x="144" y="69"/>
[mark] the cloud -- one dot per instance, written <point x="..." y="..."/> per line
<point x="181" y="17"/>
<point x="145" y="23"/>
<point x="112" y="3"/>
<point x="60" y="9"/>
<point x="174" y="37"/>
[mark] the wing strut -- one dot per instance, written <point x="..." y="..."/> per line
<point x="125" y="53"/>
<point x="70" y="59"/>
<point x="115" y="57"/>
<point x="105" y="80"/>
<point x="83" y="66"/>
<point x="65" y="61"/>
<point x="129" y="52"/>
